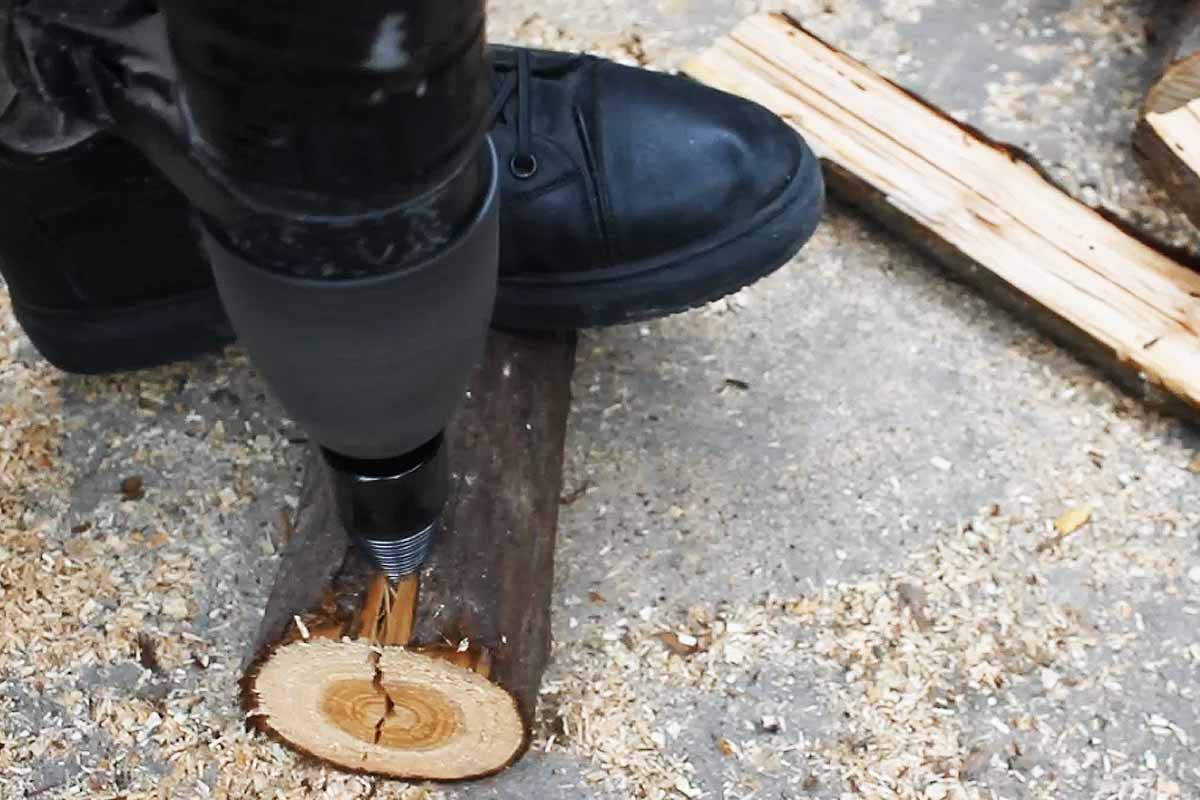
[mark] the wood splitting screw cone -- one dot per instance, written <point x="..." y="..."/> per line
<point x="399" y="557"/>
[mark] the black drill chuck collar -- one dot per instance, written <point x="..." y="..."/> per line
<point x="391" y="506"/>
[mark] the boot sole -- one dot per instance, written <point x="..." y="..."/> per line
<point x="674" y="283"/>
<point x="136" y="336"/>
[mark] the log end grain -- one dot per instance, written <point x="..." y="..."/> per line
<point x="385" y="710"/>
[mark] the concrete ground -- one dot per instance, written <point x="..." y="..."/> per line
<point x="861" y="541"/>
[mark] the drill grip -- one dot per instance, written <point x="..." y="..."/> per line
<point x="375" y="366"/>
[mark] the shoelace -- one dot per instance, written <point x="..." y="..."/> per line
<point x="523" y="163"/>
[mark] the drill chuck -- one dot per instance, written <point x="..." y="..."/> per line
<point x="391" y="506"/>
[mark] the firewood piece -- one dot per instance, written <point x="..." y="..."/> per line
<point x="1167" y="137"/>
<point x="984" y="210"/>
<point x="437" y="677"/>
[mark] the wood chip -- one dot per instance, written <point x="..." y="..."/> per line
<point x="1072" y="520"/>
<point x="802" y="607"/>
<point x="284" y="526"/>
<point x="147" y="652"/>
<point x="133" y="488"/>
<point x="676" y="645"/>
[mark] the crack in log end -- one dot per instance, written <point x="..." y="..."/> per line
<point x="389" y="705"/>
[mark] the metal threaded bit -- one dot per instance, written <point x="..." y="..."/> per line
<point x="399" y="557"/>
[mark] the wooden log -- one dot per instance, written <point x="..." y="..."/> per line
<point x="984" y="210"/>
<point x="1166" y="139"/>
<point x="435" y="678"/>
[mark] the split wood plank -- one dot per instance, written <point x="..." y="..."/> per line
<point x="983" y="209"/>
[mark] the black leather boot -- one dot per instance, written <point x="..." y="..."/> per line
<point x="632" y="194"/>
<point x="97" y="248"/>
<point x="625" y="195"/>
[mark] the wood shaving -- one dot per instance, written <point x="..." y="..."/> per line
<point x="904" y="686"/>
<point x="684" y="645"/>
<point x="113" y="683"/>
<point x="1072" y="521"/>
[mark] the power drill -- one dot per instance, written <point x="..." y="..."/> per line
<point x="345" y="190"/>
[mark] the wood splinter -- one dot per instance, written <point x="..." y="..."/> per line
<point x="436" y="677"/>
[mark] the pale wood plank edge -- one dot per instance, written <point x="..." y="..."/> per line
<point x="1157" y="154"/>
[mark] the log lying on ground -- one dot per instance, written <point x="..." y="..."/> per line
<point x="435" y="678"/>
<point x="1167" y="137"/>
<point x="984" y="210"/>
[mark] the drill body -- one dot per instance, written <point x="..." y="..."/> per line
<point x="346" y="195"/>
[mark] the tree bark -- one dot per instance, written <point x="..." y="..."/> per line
<point x="1166" y="140"/>
<point x="435" y="678"/>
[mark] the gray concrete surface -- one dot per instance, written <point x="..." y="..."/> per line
<point x="868" y="372"/>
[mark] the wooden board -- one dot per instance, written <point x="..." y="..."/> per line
<point x="981" y="208"/>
